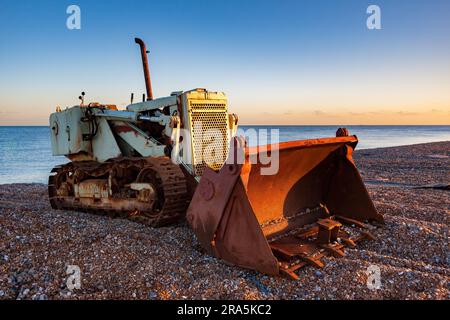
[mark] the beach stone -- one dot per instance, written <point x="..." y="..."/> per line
<point x="410" y="247"/>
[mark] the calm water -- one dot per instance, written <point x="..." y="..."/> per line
<point x="25" y="152"/>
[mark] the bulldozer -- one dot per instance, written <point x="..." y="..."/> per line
<point x="147" y="163"/>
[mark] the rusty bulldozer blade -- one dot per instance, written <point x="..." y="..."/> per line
<point x="281" y="222"/>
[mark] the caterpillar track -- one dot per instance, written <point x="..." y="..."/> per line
<point x="152" y="191"/>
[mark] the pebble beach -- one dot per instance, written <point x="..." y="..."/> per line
<point x="121" y="259"/>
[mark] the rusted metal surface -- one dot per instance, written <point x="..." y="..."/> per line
<point x="148" y="190"/>
<point x="148" y="83"/>
<point x="91" y="188"/>
<point x="274" y="223"/>
<point x="137" y="139"/>
<point x="342" y="132"/>
<point x="279" y="223"/>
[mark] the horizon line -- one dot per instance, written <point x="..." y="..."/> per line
<point x="295" y="125"/>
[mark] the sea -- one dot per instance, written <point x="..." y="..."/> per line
<point x="26" y="157"/>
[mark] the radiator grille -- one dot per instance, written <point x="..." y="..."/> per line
<point x="209" y="123"/>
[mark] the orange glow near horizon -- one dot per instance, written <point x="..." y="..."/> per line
<point x="279" y="64"/>
<point x="267" y="110"/>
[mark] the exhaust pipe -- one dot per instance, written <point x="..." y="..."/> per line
<point x="148" y="83"/>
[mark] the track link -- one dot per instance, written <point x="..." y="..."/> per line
<point x="168" y="179"/>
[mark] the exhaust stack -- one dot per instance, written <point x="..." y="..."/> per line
<point x="148" y="83"/>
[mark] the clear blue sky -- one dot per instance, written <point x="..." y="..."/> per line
<point x="305" y="62"/>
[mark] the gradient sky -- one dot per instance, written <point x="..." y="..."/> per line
<point x="280" y="62"/>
